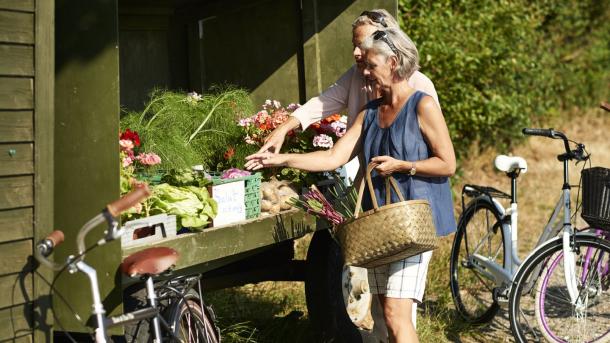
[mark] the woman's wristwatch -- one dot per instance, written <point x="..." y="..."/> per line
<point x="413" y="169"/>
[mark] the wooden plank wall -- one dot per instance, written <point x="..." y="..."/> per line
<point x="17" y="167"/>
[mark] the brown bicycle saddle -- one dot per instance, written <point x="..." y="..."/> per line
<point x="151" y="261"/>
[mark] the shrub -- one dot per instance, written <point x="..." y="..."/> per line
<point x="498" y="66"/>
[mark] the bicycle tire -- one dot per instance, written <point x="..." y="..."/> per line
<point x="191" y="310"/>
<point x="556" y="318"/>
<point x="472" y="295"/>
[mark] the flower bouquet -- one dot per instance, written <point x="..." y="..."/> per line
<point x="340" y="208"/>
<point x="320" y="135"/>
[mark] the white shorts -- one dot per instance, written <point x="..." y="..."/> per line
<point x="404" y="279"/>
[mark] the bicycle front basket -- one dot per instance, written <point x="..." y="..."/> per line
<point x="596" y="197"/>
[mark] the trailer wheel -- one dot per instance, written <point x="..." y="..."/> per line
<point x="323" y="291"/>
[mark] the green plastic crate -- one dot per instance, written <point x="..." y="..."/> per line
<point x="150" y="177"/>
<point x="252" y="198"/>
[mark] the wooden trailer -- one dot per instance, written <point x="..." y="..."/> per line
<point x="66" y="69"/>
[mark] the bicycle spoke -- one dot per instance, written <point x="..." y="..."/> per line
<point x="558" y="318"/>
<point x="477" y="274"/>
<point x="530" y="329"/>
<point x="472" y="289"/>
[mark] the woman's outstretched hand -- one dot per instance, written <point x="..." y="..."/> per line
<point x="387" y="165"/>
<point x="274" y="142"/>
<point x="264" y="160"/>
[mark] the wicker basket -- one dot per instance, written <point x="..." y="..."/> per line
<point x="596" y="197"/>
<point x="388" y="233"/>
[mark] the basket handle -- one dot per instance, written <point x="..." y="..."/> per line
<point x="389" y="181"/>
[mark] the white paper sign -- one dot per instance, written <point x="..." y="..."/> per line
<point x="230" y="198"/>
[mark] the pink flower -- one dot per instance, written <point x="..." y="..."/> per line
<point x="249" y="140"/>
<point x="126" y="144"/>
<point x="261" y="117"/>
<point x="127" y="161"/>
<point x="323" y="141"/>
<point x="292" y="107"/>
<point x="279" y="117"/>
<point x="338" y="128"/>
<point x="149" y="159"/>
<point x="245" y="122"/>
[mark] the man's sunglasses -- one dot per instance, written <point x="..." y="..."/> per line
<point x="377" y="17"/>
<point x="382" y="35"/>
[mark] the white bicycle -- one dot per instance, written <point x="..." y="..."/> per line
<point x="174" y="311"/>
<point x="486" y="270"/>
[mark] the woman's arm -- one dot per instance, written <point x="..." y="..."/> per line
<point x="435" y="132"/>
<point x="323" y="160"/>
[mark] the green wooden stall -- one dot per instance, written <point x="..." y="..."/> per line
<point x="26" y="164"/>
<point x="110" y="54"/>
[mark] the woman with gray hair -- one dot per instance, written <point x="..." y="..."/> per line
<point x="405" y="134"/>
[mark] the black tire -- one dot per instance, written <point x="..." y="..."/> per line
<point x="191" y="322"/>
<point x="523" y="314"/>
<point x="134" y="298"/>
<point x="327" y="310"/>
<point x="472" y="292"/>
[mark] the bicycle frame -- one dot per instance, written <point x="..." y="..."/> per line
<point x="503" y="275"/>
<point x="77" y="264"/>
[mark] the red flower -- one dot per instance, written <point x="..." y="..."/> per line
<point x="132" y="136"/>
<point x="229" y="153"/>
<point x="332" y="118"/>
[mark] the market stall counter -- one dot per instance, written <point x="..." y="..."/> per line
<point x="216" y="247"/>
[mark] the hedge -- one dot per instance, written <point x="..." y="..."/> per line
<point x="499" y="66"/>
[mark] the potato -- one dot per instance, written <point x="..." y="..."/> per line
<point x="276" y="208"/>
<point x="286" y="190"/>
<point x="266" y="205"/>
<point x="270" y="194"/>
<point x="285" y="202"/>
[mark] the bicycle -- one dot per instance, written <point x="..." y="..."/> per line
<point x="570" y="275"/>
<point x="175" y="308"/>
<point x="484" y="257"/>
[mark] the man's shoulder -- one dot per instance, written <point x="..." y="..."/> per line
<point x="419" y="78"/>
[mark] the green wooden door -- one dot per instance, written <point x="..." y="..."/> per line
<point x="26" y="164"/>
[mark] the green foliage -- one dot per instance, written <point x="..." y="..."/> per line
<point x="498" y="66"/>
<point x="186" y="130"/>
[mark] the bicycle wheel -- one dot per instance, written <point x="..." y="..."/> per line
<point x="549" y="306"/>
<point x="192" y="323"/>
<point x="479" y="232"/>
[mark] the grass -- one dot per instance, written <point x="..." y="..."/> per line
<point x="276" y="311"/>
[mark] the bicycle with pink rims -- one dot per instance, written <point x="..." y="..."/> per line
<point x="561" y="292"/>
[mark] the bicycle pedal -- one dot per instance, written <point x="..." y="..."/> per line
<point x="500" y="295"/>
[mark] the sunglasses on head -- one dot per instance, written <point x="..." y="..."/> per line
<point x="377" y="17"/>
<point x="382" y="35"/>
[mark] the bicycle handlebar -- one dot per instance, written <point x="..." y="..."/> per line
<point x="576" y="154"/>
<point x="539" y="132"/>
<point x="128" y="201"/>
<point x="45" y="247"/>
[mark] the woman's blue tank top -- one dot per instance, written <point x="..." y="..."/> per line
<point x="403" y="140"/>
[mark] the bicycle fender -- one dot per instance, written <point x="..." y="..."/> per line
<point x="558" y="240"/>
<point x="485" y="198"/>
